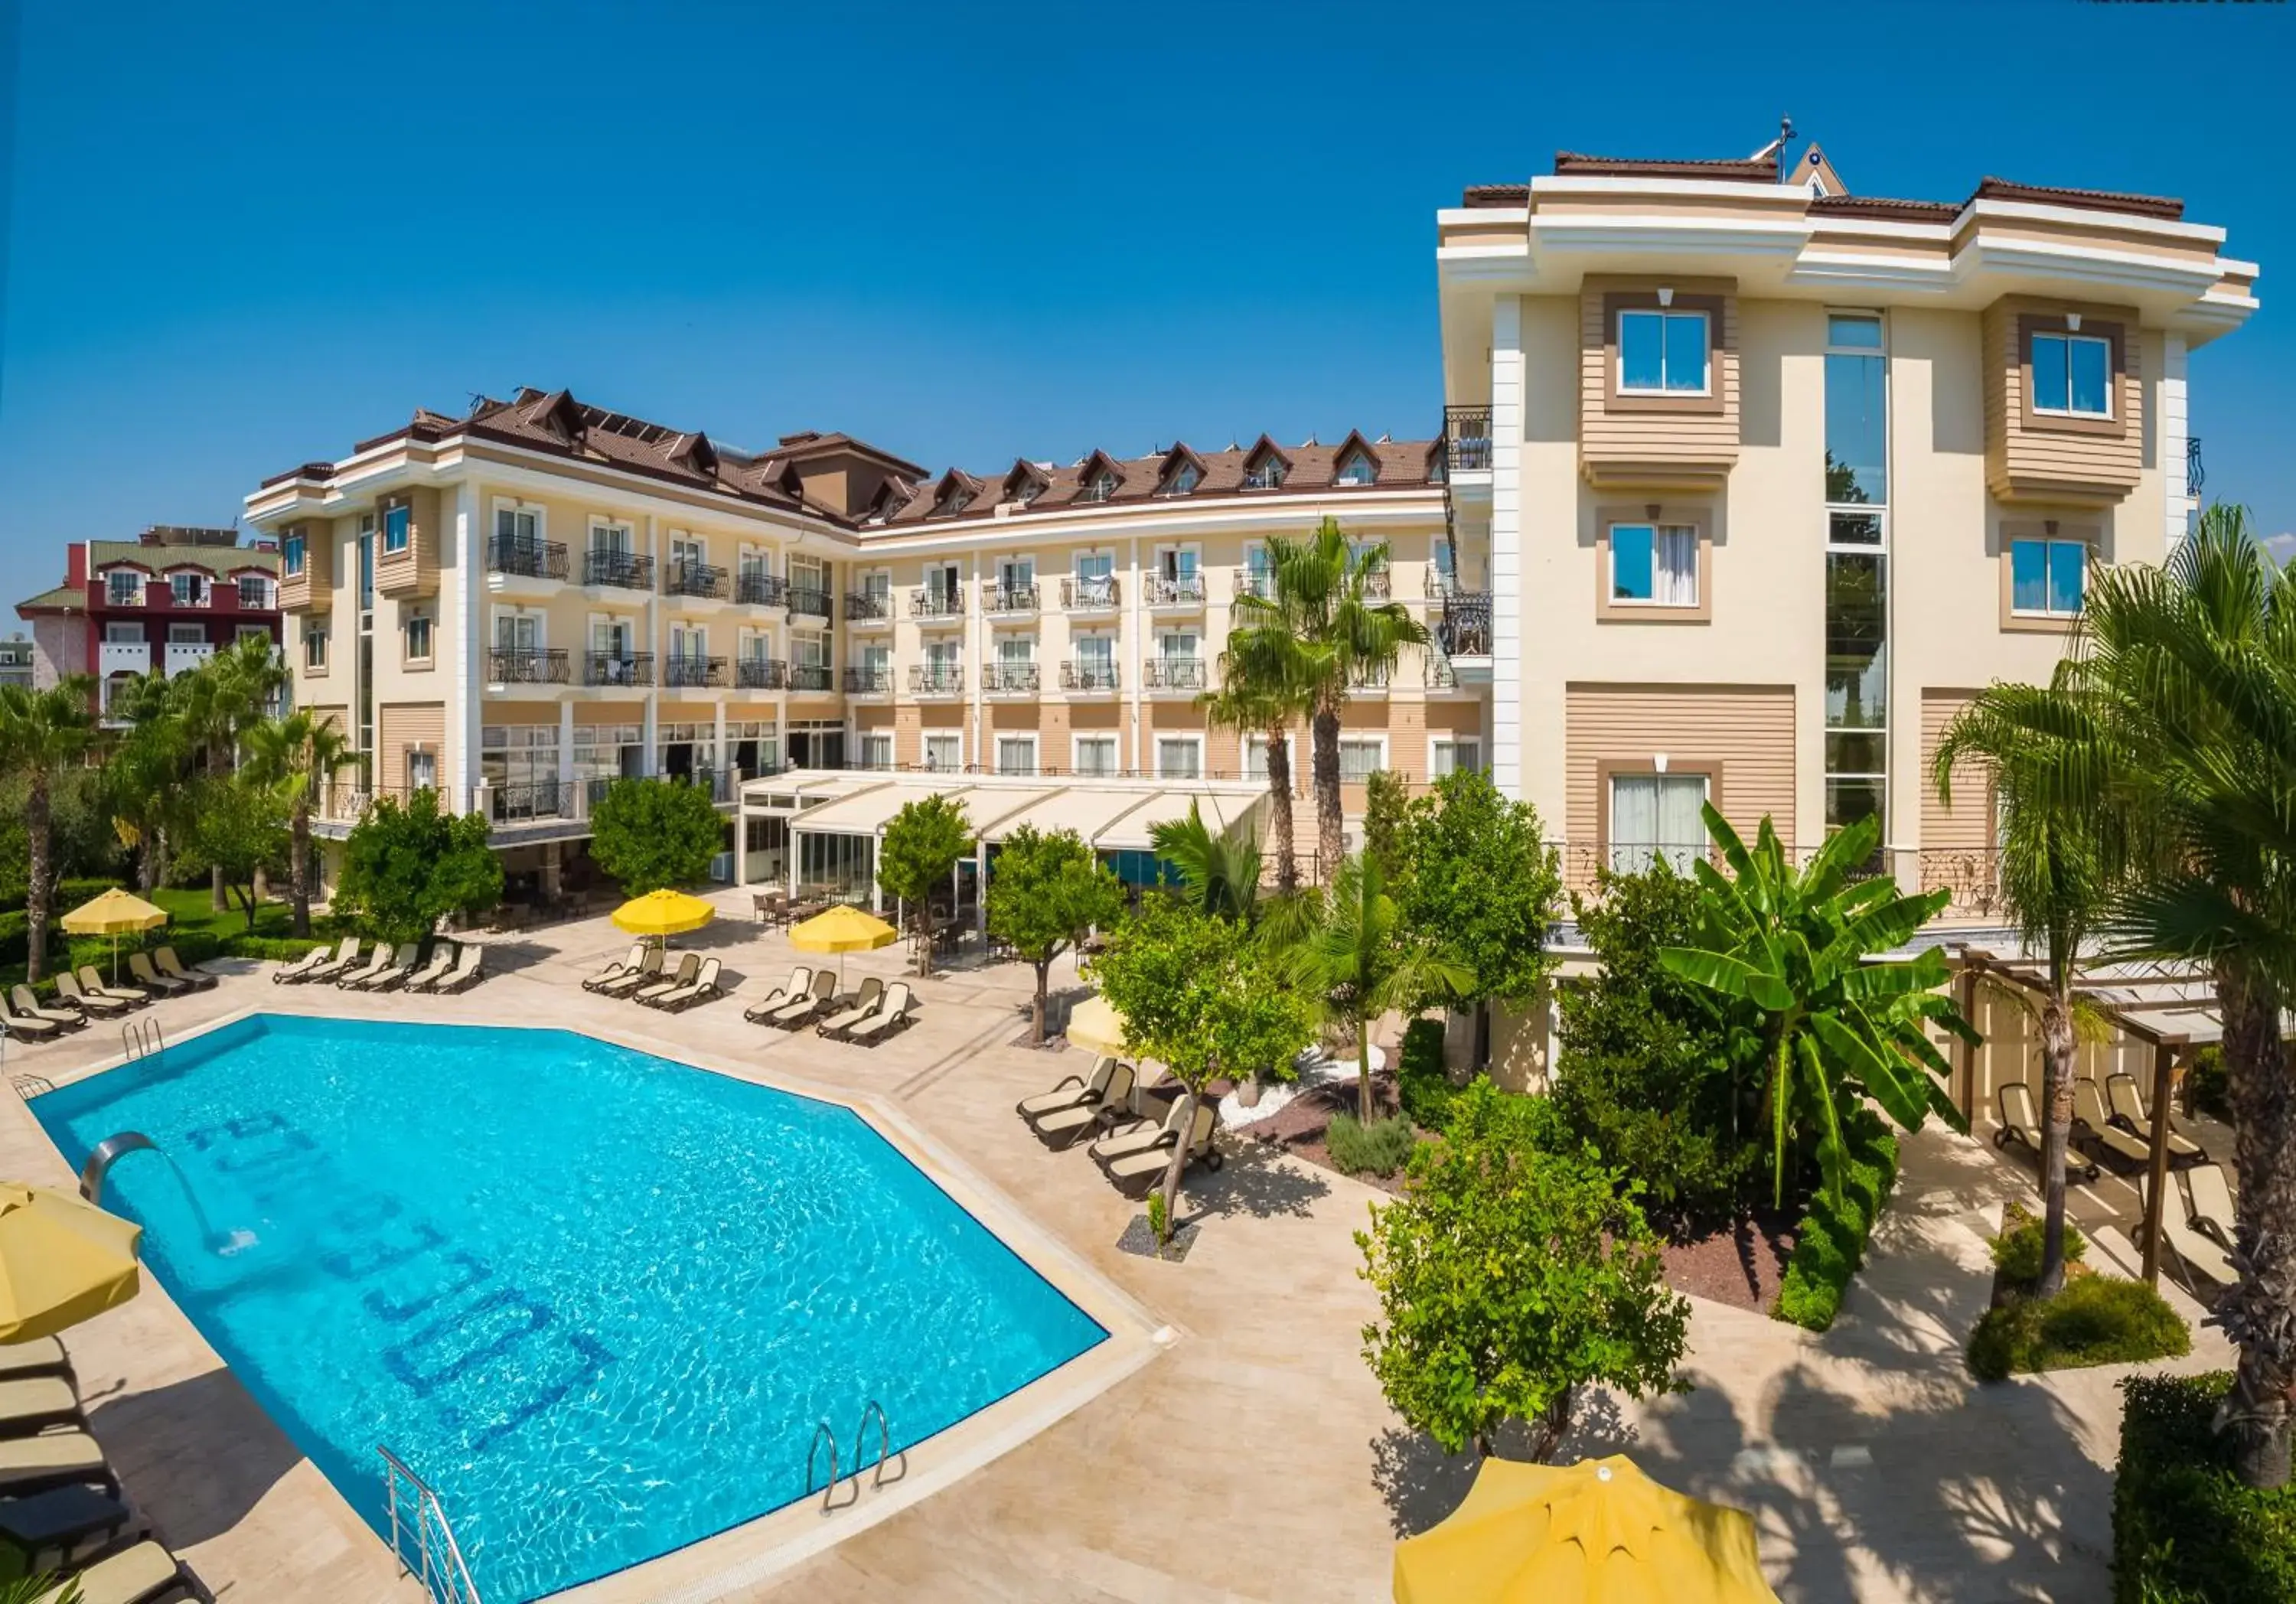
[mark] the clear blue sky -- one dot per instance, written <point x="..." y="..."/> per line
<point x="245" y="235"/>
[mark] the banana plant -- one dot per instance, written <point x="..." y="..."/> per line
<point x="1838" y="1026"/>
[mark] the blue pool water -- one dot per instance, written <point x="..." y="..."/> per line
<point x="598" y="1300"/>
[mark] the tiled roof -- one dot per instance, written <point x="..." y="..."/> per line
<point x="64" y="598"/>
<point x="1496" y="194"/>
<point x="1573" y="164"/>
<point x="2143" y="206"/>
<point x="1875" y="206"/>
<point x="218" y="560"/>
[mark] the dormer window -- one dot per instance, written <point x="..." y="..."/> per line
<point x="187" y="590"/>
<point x="1183" y="480"/>
<point x="1356" y="468"/>
<point x="123" y="587"/>
<point x="1265" y="474"/>
<point x="1100" y="487"/>
<point x="953" y="500"/>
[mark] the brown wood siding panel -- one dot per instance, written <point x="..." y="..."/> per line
<point x="1967" y="825"/>
<point x="1618" y="447"/>
<point x="1748" y="729"/>
<point x="414" y="571"/>
<point x="401" y="727"/>
<point x="2022" y="463"/>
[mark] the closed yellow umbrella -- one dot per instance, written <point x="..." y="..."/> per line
<point x="1599" y="1532"/>
<point x="1095" y="1025"/>
<point x="663" y="913"/>
<point x="115" y="913"/>
<point x="62" y="1260"/>
<point x="843" y="929"/>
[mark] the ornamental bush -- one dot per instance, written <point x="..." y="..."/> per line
<point x="1830" y="1242"/>
<point x="2185" y="1530"/>
<point x="1421" y="1081"/>
<point x="1377" y="1148"/>
<point x="2096" y="1320"/>
<point x="2017" y="1250"/>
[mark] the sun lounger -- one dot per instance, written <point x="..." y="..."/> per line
<point x="800" y="981"/>
<point x="442" y="961"/>
<point x="892" y="1015"/>
<point x="29" y="1005"/>
<point x="90" y="981"/>
<point x="174" y="968"/>
<point x="298" y="970"/>
<point x="53" y="1459"/>
<point x="2012" y="1106"/>
<point x="41" y="1356"/>
<point x="618" y="967"/>
<point x="346" y="959"/>
<point x="69" y="988"/>
<point x="139" y="967"/>
<point x="2198" y="1255"/>
<point x="401" y="969"/>
<point x="2128" y="1105"/>
<point x="465" y="974"/>
<point x="1075" y="1109"/>
<point x="688" y="965"/>
<point x="802" y="1007"/>
<point x="352" y="979"/>
<point x="702" y="988"/>
<point x="2090" y="1109"/>
<point x="30" y="1028"/>
<point x="863" y="1001"/>
<point x="143" y="1574"/>
<point x="1139" y="1168"/>
<point x="1140" y="1133"/>
<point x="648" y="970"/>
<point x="30" y="1404"/>
<point x="2212" y="1213"/>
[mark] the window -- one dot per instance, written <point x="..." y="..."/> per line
<point x="418" y="634"/>
<point x="1662" y="353"/>
<point x="290" y="553"/>
<point x="1265" y="474"/>
<point x="254" y="592"/>
<point x="518" y="528"/>
<point x="2048" y="577"/>
<point x="1015" y="651"/>
<point x="1095" y="755"/>
<point x="1095" y="579"/>
<point x="517" y="632"/>
<point x="1100" y="487"/>
<point x="1857" y="423"/>
<point x="123" y="587"/>
<point x="187" y="634"/>
<point x="251" y="632"/>
<point x="187" y="590"/>
<point x="1185" y="479"/>
<point x="2073" y="375"/>
<point x="941" y="587"/>
<point x="1255" y="756"/>
<point x="809" y="651"/>
<point x="124" y="633"/>
<point x="1460" y="754"/>
<point x="1857" y="570"/>
<point x="876" y="750"/>
<point x="1179" y="757"/>
<point x="1654" y="564"/>
<point x="1356" y="468"/>
<point x="398" y="526"/>
<point x="314" y="643"/>
<point x="1655" y="816"/>
<point x="422" y="771"/>
<point x="1361" y="758"/>
<point x="1014" y="574"/>
<point x="1016" y="754"/>
<point x="944" y="754"/>
<point x="1096" y="654"/>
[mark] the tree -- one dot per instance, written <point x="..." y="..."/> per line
<point x="1353" y="954"/>
<point x="1258" y="695"/>
<point x="652" y="834"/>
<point x="1197" y="994"/>
<point x="408" y="865"/>
<point x="298" y="755"/>
<point x="221" y="699"/>
<point x="1510" y="1276"/>
<point x="239" y="828"/>
<point x="1836" y="1027"/>
<point x="1045" y="892"/>
<point x="1221" y="872"/>
<point x="1478" y="880"/>
<point x="43" y="733"/>
<point x="145" y="773"/>
<point x="1387" y="803"/>
<point x="2060" y="853"/>
<point x="1330" y="632"/>
<point x="917" y="858"/>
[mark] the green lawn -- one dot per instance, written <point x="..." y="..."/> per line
<point x="197" y="930"/>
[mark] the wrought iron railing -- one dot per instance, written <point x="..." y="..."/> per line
<point x="1176" y="673"/>
<point x="534" y="559"/>
<point x="684" y="671"/>
<point x="868" y="682"/>
<point x="617" y="668"/>
<point x="510" y="802"/>
<point x="935" y="679"/>
<point x="810" y="600"/>
<point x="1467" y="438"/>
<point x="754" y="589"/>
<point x="867" y="607"/>
<point x="2195" y="476"/>
<point x="812" y="676"/>
<point x="623" y="570"/>
<point x="1090" y="595"/>
<point x="1181" y="590"/>
<point x="1255" y="581"/>
<point x="999" y="598"/>
<point x="1008" y="677"/>
<point x="526" y="666"/>
<point x="935" y="601"/>
<point x="1464" y="629"/>
<point x="1086" y="674"/>
<point x="696" y="579"/>
<point x="760" y="674"/>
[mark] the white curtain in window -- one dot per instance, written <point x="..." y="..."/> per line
<point x="1673" y="579"/>
<point x="1015" y="755"/>
<point x="1655" y="815"/>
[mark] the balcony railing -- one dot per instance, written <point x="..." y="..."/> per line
<point x="1467" y="438"/>
<point x="935" y="679"/>
<point x="682" y="670"/>
<point x="1090" y="595"/>
<point x="1369" y="679"/>
<point x="998" y="598"/>
<point x="1464" y="629"/>
<point x="1087" y="675"/>
<point x="812" y="676"/>
<point x="509" y="803"/>
<point x="2195" y="476"/>
<point x="754" y="589"/>
<point x="617" y="668"/>
<point x="868" y="682"/>
<point x="1183" y="590"/>
<point x="525" y="666"/>
<point x="1176" y="673"/>
<point x="696" y="579"/>
<point x="1010" y="677"/>
<point x="1255" y="581"/>
<point x="935" y="601"/>
<point x="760" y="674"/>
<point x="624" y="571"/>
<point x="867" y="607"/>
<point x="1379" y="584"/>
<point x="1440" y="675"/>
<point x="532" y="559"/>
<point x="808" y="599"/>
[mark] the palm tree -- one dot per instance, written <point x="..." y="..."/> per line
<point x="299" y="754"/>
<point x="1258" y="695"/>
<point x="143" y="773"/>
<point x="1221" y="874"/>
<point x="221" y="699"/>
<point x="42" y="734"/>
<point x="1327" y="625"/>
<point x="2061" y="853"/>
<point x="1356" y="960"/>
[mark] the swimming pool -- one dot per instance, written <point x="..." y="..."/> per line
<point x="597" y="1299"/>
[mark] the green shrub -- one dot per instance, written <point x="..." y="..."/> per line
<point x="1421" y="1081"/>
<point x="1377" y="1148"/>
<point x="2185" y="1527"/>
<point x="2017" y="1250"/>
<point x="2096" y="1320"/>
<point x="2208" y="1087"/>
<point x="1830" y="1243"/>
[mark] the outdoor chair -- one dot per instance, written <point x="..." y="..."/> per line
<point x="701" y="989"/>
<point x="862" y="1003"/>
<point x="2128" y="1105"/>
<point x="648" y="970"/>
<point x="466" y="973"/>
<point x="41" y="1356"/>
<point x="351" y="978"/>
<point x="689" y="965"/>
<point x="2197" y="1254"/>
<point x="89" y="981"/>
<point x="394" y="974"/>
<point x="442" y="961"/>
<point x="68" y="987"/>
<point x="2089" y="1110"/>
<point x="302" y="969"/>
<point x="893" y="1014"/>
<point x="32" y="1404"/>
<point x="174" y="968"/>
<point x="143" y="1573"/>
<point x="53" y="1459"/>
<point x="2212" y="1212"/>
<point x="29" y="1005"/>
<point x="1140" y="1166"/>
<point x="1077" y="1107"/>
<point x="2012" y="1106"/>
<point x="803" y="1006"/>
<point x="139" y="967"/>
<point x="30" y="1027"/>
<point x="618" y="967"/>
<point x="761" y="1013"/>
<point x="1140" y="1132"/>
<point x="346" y="959"/>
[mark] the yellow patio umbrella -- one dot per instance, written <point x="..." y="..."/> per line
<point x="1095" y="1025"/>
<point x="61" y="1261"/>
<point x="1598" y="1532"/>
<point x="115" y="913"/>
<point x="663" y="913"/>
<point x="843" y="929"/>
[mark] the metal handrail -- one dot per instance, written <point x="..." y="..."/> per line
<point x="141" y="1038"/>
<point x="884" y="1446"/>
<point x="813" y="1458"/>
<point x="444" y="1573"/>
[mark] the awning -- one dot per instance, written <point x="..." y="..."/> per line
<point x="1131" y="833"/>
<point x="869" y="811"/>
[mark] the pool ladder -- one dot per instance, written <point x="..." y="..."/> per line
<point x="141" y="1038"/>
<point x="437" y="1561"/>
<point x="824" y="1433"/>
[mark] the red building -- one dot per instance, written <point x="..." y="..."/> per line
<point x="163" y="602"/>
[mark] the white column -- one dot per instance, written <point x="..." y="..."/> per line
<point x="741" y="842"/>
<point x="2176" y="427"/>
<point x="470" y="659"/>
<point x="1130" y="618"/>
<point x="1506" y="547"/>
<point x="718" y="763"/>
<point x="565" y="756"/>
<point x="650" y="758"/>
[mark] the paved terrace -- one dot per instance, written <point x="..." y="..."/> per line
<point x="1254" y="1458"/>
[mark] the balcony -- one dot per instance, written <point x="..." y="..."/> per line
<point x="1464" y="629"/>
<point x="935" y="679"/>
<point x="1176" y="673"/>
<point x="757" y="589"/>
<point x="123" y="656"/>
<point x="184" y="656"/>
<point x="1369" y="682"/>
<point x="1176" y="591"/>
<point x="525" y="666"/>
<point x="621" y="570"/>
<point x="526" y="559"/>
<point x="1089" y="677"/>
<point x="1091" y="595"/>
<point x="810" y="600"/>
<point x="933" y="603"/>
<point x="868" y="607"/>
<point x="1379" y="584"/>
<point x="868" y="682"/>
<point x="689" y="672"/>
<point x="1011" y="679"/>
<point x="1004" y="600"/>
<point x="760" y="674"/>
<point x="626" y="670"/>
<point x="1254" y="581"/>
<point x="515" y="804"/>
<point x="812" y="676"/>
<point x="1467" y="439"/>
<point x="700" y="580"/>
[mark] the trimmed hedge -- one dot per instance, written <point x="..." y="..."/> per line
<point x="1830" y="1242"/>
<point x="69" y="895"/>
<point x="2185" y="1530"/>
<point x="1421" y="1081"/>
<point x="2096" y="1320"/>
